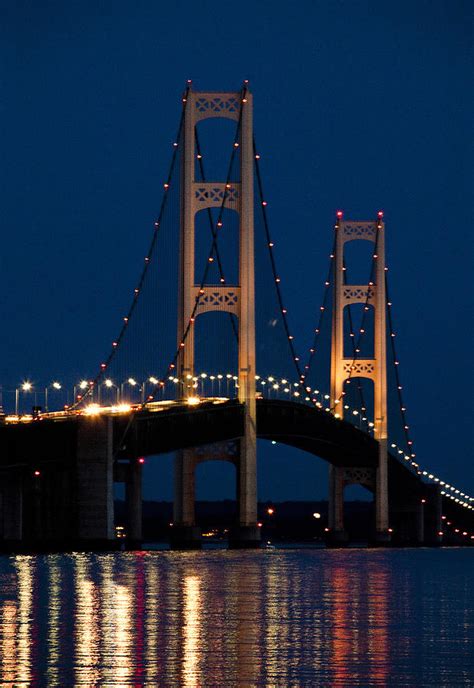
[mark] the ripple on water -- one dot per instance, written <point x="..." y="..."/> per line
<point x="256" y="618"/>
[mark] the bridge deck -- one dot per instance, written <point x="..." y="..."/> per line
<point x="166" y="428"/>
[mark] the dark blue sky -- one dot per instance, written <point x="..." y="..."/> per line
<point x="358" y="105"/>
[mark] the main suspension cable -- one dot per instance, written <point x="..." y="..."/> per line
<point x="148" y="259"/>
<point x="276" y="278"/>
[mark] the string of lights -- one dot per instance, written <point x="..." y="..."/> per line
<point x="449" y="491"/>
<point x="396" y="365"/>
<point x="455" y="530"/>
<point x="276" y="278"/>
<point x="322" y="310"/>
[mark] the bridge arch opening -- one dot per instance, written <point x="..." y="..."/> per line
<point x="216" y="137"/>
<point x="216" y="354"/>
<point x="359" y="319"/>
<point x="226" y="264"/>
<point x="293" y="484"/>
<point x="358" y="260"/>
<point x="215" y="496"/>
<point x="157" y="492"/>
<point x="359" y="397"/>
<point x="359" y="508"/>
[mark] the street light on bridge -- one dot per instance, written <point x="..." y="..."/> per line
<point x="154" y="381"/>
<point x="110" y="385"/>
<point x="83" y="386"/>
<point x="53" y="385"/>
<point x="131" y="381"/>
<point x="24" y="387"/>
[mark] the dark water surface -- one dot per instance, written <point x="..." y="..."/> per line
<point x="219" y="618"/>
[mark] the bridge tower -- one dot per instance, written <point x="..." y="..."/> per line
<point x="237" y="299"/>
<point x="343" y="368"/>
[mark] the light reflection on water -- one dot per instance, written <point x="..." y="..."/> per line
<point x="217" y="618"/>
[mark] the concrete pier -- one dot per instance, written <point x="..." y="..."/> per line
<point x="94" y="482"/>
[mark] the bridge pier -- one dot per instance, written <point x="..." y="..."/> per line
<point x="94" y="484"/>
<point x="337" y="536"/>
<point x="433" y="523"/>
<point x="58" y="496"/>
<point x="185" y="534"/>
<point x="420" y="522"/>
<point x="382" y="532"/>
<point x="246" y="534"/>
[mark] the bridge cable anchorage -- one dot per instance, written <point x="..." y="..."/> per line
<point x="137" y="291"/>
<point x="276" y="278"/>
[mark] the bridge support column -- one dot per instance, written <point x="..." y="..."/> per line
<point x="336" y="535"/>
<point x="185" y="534"/>
<point x="382" y="533"/>
<point x="420" y="523"/>
<point x="94" y="484"/>
<point x="11" y="504"/>
<point x="192" y="301"/>
<point x="247" y="534"/>
<point x="433" y="513"/>
<point x="133" y="499"/>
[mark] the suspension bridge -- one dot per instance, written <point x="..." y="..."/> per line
<point x="205" y="363"/>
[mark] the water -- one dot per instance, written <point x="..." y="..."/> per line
<point x="256" y="618"/>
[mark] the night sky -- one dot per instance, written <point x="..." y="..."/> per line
<point x="358" y="105"/>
